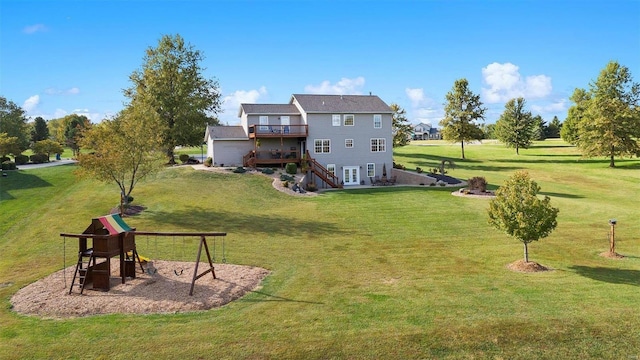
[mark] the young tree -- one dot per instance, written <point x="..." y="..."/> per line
<point x="611" y="123"/>
<point x="462" y="112"/>
<point x="539" y="128"/>
<point x="47" y="147"/>
<point x="569" y="131"/>
<point x="40" y="130"/>
<point x="76" y="125"/>
<point x="519" y="212"/>
<point x="171" y="83"/>
<point x="9" y="145"/>
<point x="402" y="129"/>
<point x="125" y="149"/>
<point x="515" y="128"/>
<point x="13" y="122"/>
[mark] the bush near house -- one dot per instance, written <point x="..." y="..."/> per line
<point x="291" y="168"/>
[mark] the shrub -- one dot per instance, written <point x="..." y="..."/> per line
<point x="21" y="159"/>
<point x="291" y="168"/>
<point x="312" y="187"/>
<point x="285" y="184"/>
<point x="285" y="177"/>
<point x="39" y="158"/>
<point x="478" y="183"/>
<point x="239" y="170"/>
<point x="419" y="170"/>
<point x="184" y="158"/>
<point x="267" y="171"/>
<point x="8" y="165"/>
<point x="208" y="162"/>
<point x="4" y="158"/>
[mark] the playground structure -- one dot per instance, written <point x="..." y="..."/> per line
<point x="110" y="236"/>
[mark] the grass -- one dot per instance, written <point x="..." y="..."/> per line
<point x="392" y="272"/>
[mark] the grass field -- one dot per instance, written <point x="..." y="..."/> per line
<point x="381" y="273"/>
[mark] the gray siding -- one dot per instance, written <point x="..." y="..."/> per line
<point x="229" y="152"/>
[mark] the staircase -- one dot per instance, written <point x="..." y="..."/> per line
<point x="86" y="262"/>
<point x="249" y="160"/>
<point x="322" y="172"/>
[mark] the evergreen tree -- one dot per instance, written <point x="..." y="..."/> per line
<point x="515" y="128"/>
<point x="402" y="129"/>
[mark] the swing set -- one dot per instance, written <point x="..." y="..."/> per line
<point x="110" y="236"/>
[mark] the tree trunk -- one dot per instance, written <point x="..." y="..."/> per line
<point x="462" y="144"/>
<point x="611" y="162"/>
<point x="517" y="150"/>
<point x="526" y="253"/>
<point x="170" y="157"/>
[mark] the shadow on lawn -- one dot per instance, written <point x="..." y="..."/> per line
<point x="613" y="276"/>
<point x="19" y="180"/>
<point x="233" y="222"/>
<point x="568" y="196"/>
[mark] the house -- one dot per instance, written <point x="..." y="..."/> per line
<point x="424" y="131"/>
<point x="340" y="140"/>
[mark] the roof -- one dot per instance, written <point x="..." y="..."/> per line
<point x="222" y="132"/>
<point x="341" y="103"/>
<point x="268" y="109"/>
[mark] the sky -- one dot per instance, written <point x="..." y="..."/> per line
<point x="64" y="57"/>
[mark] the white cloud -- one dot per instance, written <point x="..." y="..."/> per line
<point x="345" y="86"/>
<point x="555" y="107"/>
<point x="59" y="113"/>
<point x="56" y="91"/>
<point x="505" y="83"/>
<point x="416" y="96"/>
<point x="32" y="29"/>
<point x="31" y="103"/>
<point x="231" y="103"/>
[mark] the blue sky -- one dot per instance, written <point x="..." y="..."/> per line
<point x="62" y="57"/>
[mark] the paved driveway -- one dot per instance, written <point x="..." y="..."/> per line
<point x="50" y="163"/>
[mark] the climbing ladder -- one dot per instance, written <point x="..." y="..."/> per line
<point x="83" y="269"/>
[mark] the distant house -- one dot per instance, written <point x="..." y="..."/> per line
<point x="424" y="131"/>
<point x="341" y="140"/>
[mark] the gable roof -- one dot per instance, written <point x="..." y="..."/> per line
<point x="221" y="132"/>
<point x="341" y="103"/>
<point x="268" y="109"/>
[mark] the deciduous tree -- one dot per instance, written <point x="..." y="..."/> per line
<point x="516" y="127"/>
<point x="402" y="129"/>
<point x="463" y="110"/>
<point x="519" y="212"/>
<point x="13" y="122"/>
<point x="48" y="147"/>
<point x="125" y="149"/>
<point x="569" y="131"/>
<point x="611" y="124"/>
<point x="9" y="145"/>
<point x="171" y="83"/>
<point x="76" y="125"/>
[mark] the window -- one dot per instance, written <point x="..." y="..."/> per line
<point x="348" y="143"/>
<point x="349" y="120"/>
<point x="377" y="121"/>
<point x="371" y="170"/>
<point x="322" y="146"/>
<point x="378" y="145"/>
<point x="264" y="121"/>
<point x="331" y="168"/>
<point x="335" y="120"/>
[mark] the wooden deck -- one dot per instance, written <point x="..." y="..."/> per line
<point x="278" y="131"/>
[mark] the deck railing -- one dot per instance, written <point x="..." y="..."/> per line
<point x="278" y="131"/>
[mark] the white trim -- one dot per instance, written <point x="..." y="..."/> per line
<point x="346" y="144"/>
<point x="322" y="146"/>
<point x="379" y="146"/>
<point x="331" y="168"/>
<point x="373" y="170"/>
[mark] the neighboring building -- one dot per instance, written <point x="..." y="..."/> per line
<point x="340" y="139"/>
<point x="424" y="131"/>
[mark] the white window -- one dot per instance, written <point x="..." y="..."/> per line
<point x="264" y="121"/>
<point x="331" y="168"/>
<point x="335" y="120"/>
<point x="377" y="121"/>
<point x="378" y="145"/>
<point x="322" y="146"/>
<point x="371" y="170"/>
<point x="348" y="143"/>
<point x="349" y="120"/>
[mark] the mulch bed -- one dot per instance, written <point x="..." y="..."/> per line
<point x="527" y="267"/>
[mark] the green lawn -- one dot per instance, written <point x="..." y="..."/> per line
<point x="382" y="273"/>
